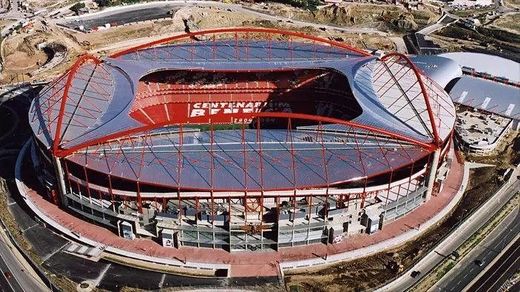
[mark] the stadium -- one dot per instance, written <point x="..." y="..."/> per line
<point x="242" y="139"/>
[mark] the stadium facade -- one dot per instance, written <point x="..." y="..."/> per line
<point x="242" y="139"/>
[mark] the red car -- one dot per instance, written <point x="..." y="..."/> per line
<point x="8" y="275"/>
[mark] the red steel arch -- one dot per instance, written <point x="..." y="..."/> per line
<point x="436" y="139"/>
<point x="83" y="59"/>
<point x="240" y="30"/>
<point x="430" y="147"/>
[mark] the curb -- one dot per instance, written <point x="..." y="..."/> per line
<point x="77" y="237"/>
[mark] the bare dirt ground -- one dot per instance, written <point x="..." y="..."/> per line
<point x="509" y="22"/>
<point x="512" y="3"/>
<point x="49" y="3"/>
<point x="383" y="17"/>
<point x="206" y="18"/>
<point x="4" y="22"/>
<point x="22" y="57"/>
<point x="497" y="35"/>
<point x="372" y="271"/>
<point x="486" y="39"/>
<point x="21" y="54"/>
<point x="507" y="154"/>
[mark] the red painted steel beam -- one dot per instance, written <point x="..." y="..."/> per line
<point x="192" y="189"/>
<point x="237" y="30"/>
<point x="417" y="73"/>
<point x="430" y="147"/>
<point x="57" y="136"/>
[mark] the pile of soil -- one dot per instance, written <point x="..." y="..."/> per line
<point x="22" y="55"/>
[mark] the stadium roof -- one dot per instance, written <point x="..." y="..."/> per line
<point x="85" y="116"/>
<point x="494" y="65"/>
<point x="440" y="69"/>
<point x="487" y="95"/>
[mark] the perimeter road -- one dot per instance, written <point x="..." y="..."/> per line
<point x="22" y="279"/>
<point x="486" y="251"/>
<point x="501" y="270"/>
<point x="238" y="8"/>
<point x="456" y="238"/>
<point x="7" y="283"/>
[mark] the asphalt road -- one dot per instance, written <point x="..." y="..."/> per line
<point x="20" y="279"/>
<point x="122" y="17"/>
<point x="158" y="8"/>
<point x="5" y="283"/>
<point x="466" y="270"/>
<point x="453" y="241"/>
<point x="501" y="270"/>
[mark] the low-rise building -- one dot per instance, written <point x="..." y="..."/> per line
<point x="479" y="132"/>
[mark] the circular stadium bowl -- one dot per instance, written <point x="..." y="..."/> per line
<point x="242" y="139"/>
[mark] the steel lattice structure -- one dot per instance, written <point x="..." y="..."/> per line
<point x="242" y="138"/>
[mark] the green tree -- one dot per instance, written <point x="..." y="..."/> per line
<point x="306" y="4"/>
<point x="103" y="3"/>
<point x="76" y="7"/>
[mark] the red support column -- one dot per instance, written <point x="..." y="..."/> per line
<point x="259" y="142"/>
<point x="139" y="200"/>
<point x="293" y="163"/>
<point x="212" y="166"/>
<point x="244" y="154"/>
<point x="88" y="184"/>
<point x="360" y="157"/>
<point x="180" y="162"/>
<point x="324" y="159"/>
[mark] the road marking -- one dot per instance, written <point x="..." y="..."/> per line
<point x="498" y="268"/>
<point x="36" y="224"/>
<point x="12" y="203"/>
<point x="101" y="275"/>
<point x="162" y="281"/>
<point x="45" y="258"/>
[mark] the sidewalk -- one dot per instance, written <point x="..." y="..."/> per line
<point x="398" y="232"/>
<point x="28" y="277"/>
<point x="246" y="264"/>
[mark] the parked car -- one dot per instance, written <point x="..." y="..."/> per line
<point x="479" y="263"/>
